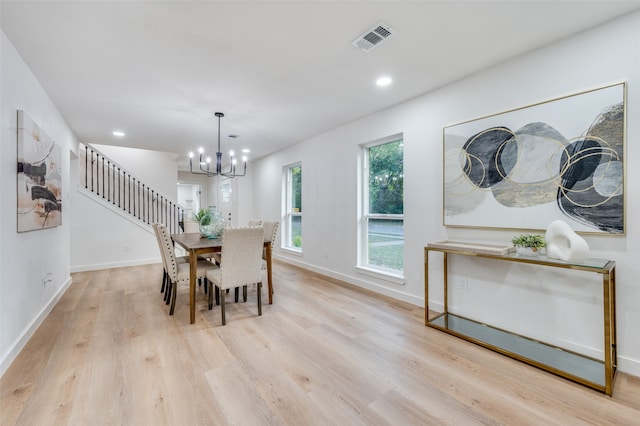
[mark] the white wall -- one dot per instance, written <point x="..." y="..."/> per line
<point x="101" y="236"/>
<point x="26" y="257"/>
<point x="563" y="308"/>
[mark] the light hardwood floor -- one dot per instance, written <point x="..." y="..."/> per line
<point x="325" y="353"/>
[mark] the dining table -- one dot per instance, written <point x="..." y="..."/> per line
<point x="196" y="245"/>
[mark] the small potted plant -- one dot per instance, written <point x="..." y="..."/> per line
<point x="528" y="244"/>
<point x="211" y="223"/>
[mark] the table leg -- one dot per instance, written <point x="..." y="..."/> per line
<point x="269" y="275"/>
<point x="193" y="264"/>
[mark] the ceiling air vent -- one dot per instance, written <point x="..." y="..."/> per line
<point x="373" y="37"/>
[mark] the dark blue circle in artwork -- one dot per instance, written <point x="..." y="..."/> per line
<point x="490" y="156"/>
<point x="579" y="161"/>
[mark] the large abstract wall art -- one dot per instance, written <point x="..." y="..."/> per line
<point x="525" y="168"/>
<point x="39" y="177"/>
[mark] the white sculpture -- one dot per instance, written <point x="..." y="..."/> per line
<point x="563" y="243"/>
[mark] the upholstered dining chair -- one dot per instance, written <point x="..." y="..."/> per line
<point x="270" y="233"/>
<point x="179" y="272"/>
<point x="252" y="222"/>
<point x="165" y="275"/>
<point x="191" y="226"/>
<point x="241" y="264"/>
<point x="216" y="258"/>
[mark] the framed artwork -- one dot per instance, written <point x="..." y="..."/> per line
<point x="39" y="177"/>
<point x="524" y="168"/>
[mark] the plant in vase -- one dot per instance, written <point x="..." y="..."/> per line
<point x="528" y="244"/>
<point x="211" y="223"/>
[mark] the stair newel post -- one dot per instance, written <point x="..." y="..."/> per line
<point x="86" y="167"/>
<point x="139" y="206"/>
<point x="113" y="183"/>
<point x="119" y="190"/>
<point x="92" y="162"/>
<point x="102" y="176"/>
<point x="108" y="180"/>
<point x="147" y="204"/>
<point x="143" y="202"/>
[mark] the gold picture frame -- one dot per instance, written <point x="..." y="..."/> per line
<point x="524" y="168"/>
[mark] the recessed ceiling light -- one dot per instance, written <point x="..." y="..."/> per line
<point x="118" y="133"/>
<point x="246" y="150"/>
<point x="383" y="81"/>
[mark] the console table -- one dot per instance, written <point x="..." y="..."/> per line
<point x="595" y="373"/>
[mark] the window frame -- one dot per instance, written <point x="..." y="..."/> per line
<point x="364" y="216"/>
<point x="287" y="209"/>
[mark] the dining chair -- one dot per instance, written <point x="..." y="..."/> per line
<point x="252" y="222"/>
<point x="179" y="273"/>
<point x="241" y="264"/>
<point x="191" y="226"/>
<point x="165" y="275"/>
<point x="216" y="258"/>
<point x="270" y="234"/>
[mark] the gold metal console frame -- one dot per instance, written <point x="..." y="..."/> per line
<point x="596" y="373"/>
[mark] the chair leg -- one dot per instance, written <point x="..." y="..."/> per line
<point x="164" y="280"/>
<point x="217" y="290"/>
<point x="210" y="284"/>
<point x="270" y="286"/>
<point x="173" y="298"/>
<point x="237" y="293"/>
<point x="206" y="285"/>
<point x="260" y="299"/>
<point x="167" y="291"/>
<point x="244" y="293"/>
<point x="224" y="318"/>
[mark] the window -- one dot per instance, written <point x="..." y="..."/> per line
<point x="382" y="219"/>
<point x="293" y="208"/>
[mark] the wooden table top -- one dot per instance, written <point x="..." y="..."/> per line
<point x="193" y="241"/>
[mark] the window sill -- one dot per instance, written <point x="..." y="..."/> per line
<point x="395" y="278"/>
<point x="289" y="250"/>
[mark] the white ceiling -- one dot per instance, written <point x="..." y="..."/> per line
<point x="281" y="71"/>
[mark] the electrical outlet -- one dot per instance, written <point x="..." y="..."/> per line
<point x="463" y="284"/>
<point x="326" y="253"/>
<point x="127" y="248"/>
<point x="47" y="278"/>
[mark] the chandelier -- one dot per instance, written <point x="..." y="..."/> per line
<point x="205" y="161"/>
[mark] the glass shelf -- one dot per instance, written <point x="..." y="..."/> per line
<point x="553" y="358"/>
<point x="466" y="249"/>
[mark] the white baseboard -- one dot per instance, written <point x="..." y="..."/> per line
<point x="20" y="343"/>
<point x="399" y="295"/>
<point x="99" y="266"/>
<point x="629" y="366"/>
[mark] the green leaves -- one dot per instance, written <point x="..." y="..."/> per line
<point x="203" y="217"/>
<point x="386" y="178"/>
<point x="529" y="240"/>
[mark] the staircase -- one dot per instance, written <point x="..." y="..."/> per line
<point x="113" y="184"/>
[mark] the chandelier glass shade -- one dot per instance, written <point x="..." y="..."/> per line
<point x="204" y="163"/>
